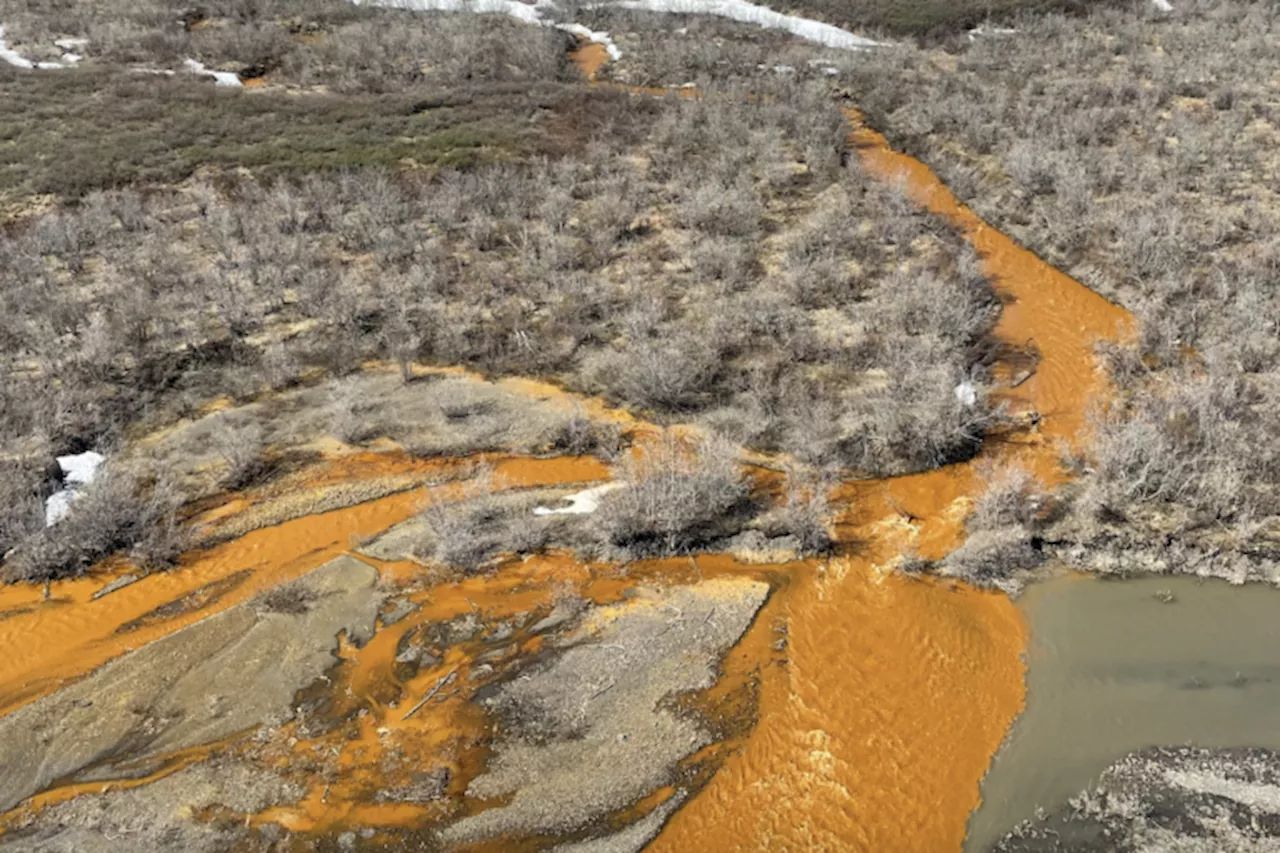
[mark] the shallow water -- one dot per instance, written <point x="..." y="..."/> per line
<point x="1112" y="669"/>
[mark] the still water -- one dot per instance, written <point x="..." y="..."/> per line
<point x="1115" y="666"/>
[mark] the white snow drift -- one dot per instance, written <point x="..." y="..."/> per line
<point x="597" y="36"/>
<point x="221" y="78"/>
<point x="12" y="57"/>
<point x="78" y="470"/>
<point x="530" y="14"/>
<point x="749" y="13"/>
<point x="580" y="503"/>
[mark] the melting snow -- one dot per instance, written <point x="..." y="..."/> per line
<point x="77" y="470"/>
<point x="512" y="8"/>
<point x="737" y="10"/>
<point x="990" y="31"/>
<point x="221" y="78"/>
<point x="580" y="503"/>
<point x="596" y="36"/>
<point x="12" y="56"/>
<point x="80" y="468"/>
<point x="749" y="13"/>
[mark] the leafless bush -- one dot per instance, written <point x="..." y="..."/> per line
<point x="994" y="558"/>
<point x="805" y="514"/>
<point x="580" y="435"/>
<point x="242" y="449"/>
<point x="347" y="48"/>
<point x="349" y="415"/>
<point x="680" y="493"/>
<point x="484" y="522"/>
<point x="21" y="504"/>
<point x="1011" y="496"/>
<point x="291" y="598"/>
<point x="1002" y="539"/>
<point x="117" y="512"/>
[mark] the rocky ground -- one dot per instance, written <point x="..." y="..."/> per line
<point x="1168" y="800"/>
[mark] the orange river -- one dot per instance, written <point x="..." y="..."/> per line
<point x="878" y="715"/>
<point x="896" y="692"/>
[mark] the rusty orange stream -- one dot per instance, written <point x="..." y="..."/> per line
<point x="897" y="692"/>
<point x="589" y="57"/>
<point x="877" y="717"/>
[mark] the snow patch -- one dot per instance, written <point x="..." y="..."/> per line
<point x="511" y="8"/>
<point x="580" y="503"/>
<point x="749" y="13"/>
<point x="221" y="78"/>
<point x="967" y="394"/>
<point x="12" y="56"/>
<point x="984" y="30"/>
<point x="69" y="57"/>
<point x="78" y="470"/>
<point x="81" y="468"/>
<point x="1162" y="5"/>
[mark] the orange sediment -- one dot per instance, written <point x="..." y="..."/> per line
<point x="589" y="57"/>
<point x="897" y="692"/>
<point x="394" y="736"/>
<point x="70" y="634"/>
<point x="1062" y="318"/>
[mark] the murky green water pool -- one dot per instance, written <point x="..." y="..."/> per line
<point x="1116" y="666"/>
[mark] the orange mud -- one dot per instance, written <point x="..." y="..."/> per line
<point x="1060" y="317"/>
<point x="897" y="692"/>
<point x="384" y="741"/>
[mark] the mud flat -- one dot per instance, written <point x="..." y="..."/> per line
<point x="1117" y="667"/>
<point x="590" y="734"/>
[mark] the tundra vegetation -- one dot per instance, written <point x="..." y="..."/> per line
<point x="1127" y="147"/>
<point x="716" y="260"/>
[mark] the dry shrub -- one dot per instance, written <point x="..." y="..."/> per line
<point x="1002" y="542"/>
<point x="118" y="511"/>
<point x="805" y="514"/>
<point x="681" y="493"/>
<point x="484" y="522"/>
